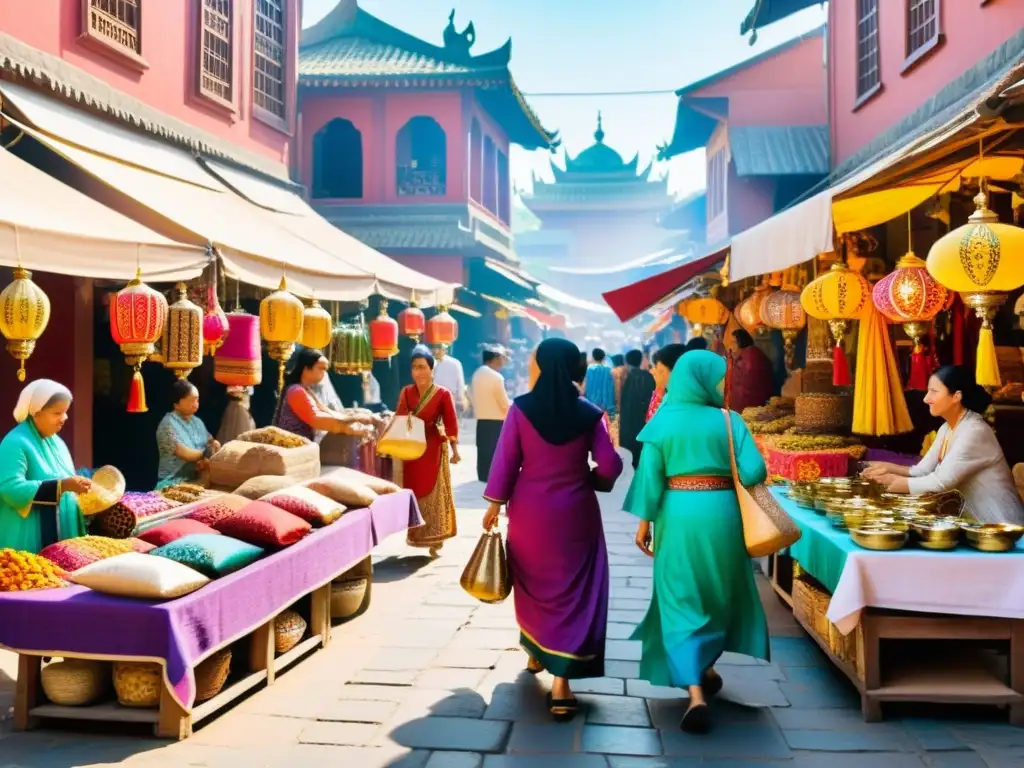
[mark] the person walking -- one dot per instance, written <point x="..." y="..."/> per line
<point x="490" y="406"/>
<point x="599" y="384"/>
<point x="705" y="601"/>
<point x="665" y="360"/>
<point x="449" y="374"/>
<point x="637" y="390"/>
<point x="557" y="555"/>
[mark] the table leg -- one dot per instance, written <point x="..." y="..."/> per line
<point x="26" y="692"/>
<point x="261" y="650"/>
<point x="320" y="614"/>
<point x="870" y="708"/>
<point x="174" y="723"/>
<point x="1017" y="670"/>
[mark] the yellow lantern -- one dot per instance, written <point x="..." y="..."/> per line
<point x="281" y="326"/>
<point x="707" y="311"/>
<point x="24" y="313"/>
<point x="181" y="345"/>
<point x="781" y="310"/>
<point x="982" y="261"/>
<point x="837" y="297"/>
<point x="316" y="326"/>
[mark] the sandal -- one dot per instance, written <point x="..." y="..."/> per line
<point x="534" y="667"/>
<point x="696" y="720"/>
<point x="712" y="683"/>
<point x="563" y="710"/>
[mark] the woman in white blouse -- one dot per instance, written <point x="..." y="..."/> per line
<point x="965" y="455"/>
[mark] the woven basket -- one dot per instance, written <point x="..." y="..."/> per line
<point x="347" y="597"/>
<point x="810" y="603"/>
<point x="212" y="673"/>
<point x="138" y="683"/>
<point x="289" y="628"/>
<point x="118" y="522"/>
<point x="75" y="682"/>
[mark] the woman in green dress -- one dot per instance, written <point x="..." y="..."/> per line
<point x="38" y="484"/>
<point x="705" y="601"/>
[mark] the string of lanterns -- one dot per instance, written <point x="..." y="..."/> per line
<point x="837" y="297"/>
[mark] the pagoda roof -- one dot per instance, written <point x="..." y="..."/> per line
<point x="352" y="48"/>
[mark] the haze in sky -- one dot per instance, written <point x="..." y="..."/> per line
<point x="586" y="46"/>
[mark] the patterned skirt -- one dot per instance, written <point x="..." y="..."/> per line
<point x="438" y="510"/>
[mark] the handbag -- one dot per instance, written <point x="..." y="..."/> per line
<point x="485" y="576"/>
<point x="405" y="438"/>
<point x="766" y="526"/>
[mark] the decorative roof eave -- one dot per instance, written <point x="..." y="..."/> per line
<point x="767" y="12"/>
<point x="695" y="123"/>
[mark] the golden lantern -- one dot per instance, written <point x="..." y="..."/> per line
<point x="982" y="261"/>
<point x="316" y="326"/>
<point x="749" y="311"/>
<point x="781" y="310"/>
<point x="181" y="345"/>
<point x="24" y="313"/>
<point x="837" y="297"/>
<point x="707" y="311"/>
<point x="281" y="326"/>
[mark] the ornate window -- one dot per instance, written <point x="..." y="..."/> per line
<point x="338" y="161"/>
<point x="922" y="28"/>
<point x="490" y="194"/>
<point x="116" y="23"/>
<point x="717" y="167"/>
<point x="422" y="157"/>
<point x="216" y="70"/>
<point x="269" y="55"/>
<point x="868" y="74"/>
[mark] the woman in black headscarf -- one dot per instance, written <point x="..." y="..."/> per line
<point x="556" y="549"/>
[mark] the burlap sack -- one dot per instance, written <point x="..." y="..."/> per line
<point x="239" y="461"/>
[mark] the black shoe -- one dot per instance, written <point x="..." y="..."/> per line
<point x="712" y="684"/>
<point x="563" y="710"/>
<point x="696" y="720"/>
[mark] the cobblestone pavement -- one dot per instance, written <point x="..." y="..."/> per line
<point x="428" y="678"/>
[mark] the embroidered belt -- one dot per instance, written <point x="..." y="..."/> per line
<point x="700" y="483"/>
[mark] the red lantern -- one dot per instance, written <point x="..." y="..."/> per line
<point x="442" y="328"/>
<point x="412" y="322"/>
<point x="383" y="334"/>
<point x="215" y="322"/>
<point x="137" y="318"/>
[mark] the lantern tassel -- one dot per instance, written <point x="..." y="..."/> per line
<point x="137" y="393"/>
<point x="919" y="370"/>
<point x="21" y="370"/>
<point x="987" y="368"/>
<point x="840" y="368"/>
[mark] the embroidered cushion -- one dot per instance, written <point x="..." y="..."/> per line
<point x="306" y="504"/>
<point x="378" y="485"/>
<point x="175" y="529"/>
<point x="343" y="490"/>
<point x="72" y="554"/>
<point x="136" y="575"/>
<point x="258" y="487"/>
<point x="211" y="554"/>
<point x="216" y="509"/>
<point x="264" y="525"/>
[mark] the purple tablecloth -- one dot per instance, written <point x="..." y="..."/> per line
<point x="180" y="633"/>
<point x="394" y="513"/>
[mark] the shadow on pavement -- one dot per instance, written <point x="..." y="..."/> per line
<point x="396" y="568"/>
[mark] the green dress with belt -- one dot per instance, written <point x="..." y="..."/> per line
<point x="705" y="600"/>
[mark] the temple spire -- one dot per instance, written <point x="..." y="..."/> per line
<point x="599" y="133"/>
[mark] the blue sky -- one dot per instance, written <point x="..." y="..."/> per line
<point x="561" y="46"/>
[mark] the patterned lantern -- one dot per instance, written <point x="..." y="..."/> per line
<point x="24" y="313"/>
<point x="215" y="322"/>
<point x="182" y="341"/>
<point x="442" y="328"/>
<point x="751" y="315"/>
<point x="782" y="311"/>
<point x="281" y="326"/>
<point x="138" y="315"/>
<point x="706" y="311"/>
<point x="316" y="326"/>
<point x="837" y="297"/>
<point x="412" y="322"/>
<point x="982" y="261"/>
<point x="238" y="362"/>
<point x="383" y="334"/>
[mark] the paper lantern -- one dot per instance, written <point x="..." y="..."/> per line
<point x="749" y="311"/>
<point x="182" y="340"/>
<point x="24" y="313"/>
<point x="281" y="326"/>
<point x="442" y="328"/>
<point x="782" y="311"/>
<point x="707" y="311"/>
<point x="383" y="334"/>
<point x="239" y="362"/>
<point x="837" y="297"/>
<point x="350" y="353"/>
<point x="138" y="315"/>
<point x="215" y="321"/>
<point x="316" y="326"/>
<point x="412" y="322"/>
<point x="982" y="260"/>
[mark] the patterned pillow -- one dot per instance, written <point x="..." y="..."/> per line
<point x="216" y="509"/>
<point x="307" y="504"/>
<point x="175" y="529"/>
<point x="378" y="485"/>
<point x="263" y="485"/>
<point x="72" y="554"/>
<point x="211" y="554"/>
<point x="264" y="525"/>
<point x="136" y="575"/>
<point x="343" y="490"/>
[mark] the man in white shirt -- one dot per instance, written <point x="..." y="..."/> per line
<point x="490" y="406"/>
<point x="448" y="373"/>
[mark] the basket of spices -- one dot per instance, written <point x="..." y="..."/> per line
<point x="289" y="628"/>
<point x="138" y="683"/>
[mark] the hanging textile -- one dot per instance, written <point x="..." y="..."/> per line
<point x="879" y="406"/>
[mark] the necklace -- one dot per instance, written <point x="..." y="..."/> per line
<point x="944" y="448"/>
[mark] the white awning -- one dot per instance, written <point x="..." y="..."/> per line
<point x="560" y="297"/>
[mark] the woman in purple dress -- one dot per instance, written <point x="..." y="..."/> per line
<point x="556" y="550"/>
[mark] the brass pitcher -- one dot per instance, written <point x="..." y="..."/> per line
<point x="485" y="576"/>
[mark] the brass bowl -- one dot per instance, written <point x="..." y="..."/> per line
<point x="802" y="494"/>
<point x="992" y="537"/>
<point x="879" y="538"/>
<point x="935" y="535"/>
<point x="824" y="494"/>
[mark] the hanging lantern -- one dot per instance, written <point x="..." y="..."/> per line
<point x="706" y="311"/>
<point x="182" y="342"/>
<point x="837" y="297"/>
<point x="442" y="328"/>
<point x="753" y="311"/>
<point x="281" y="326"/>
<point x="215" y="322"/>
<point x="682" y="305"/>
<point x="412" y="322"/>
<point x="350" y="353"/>
<point x="782" y="311"/>
<point x="24" y="313"/>
<point x="383" y="334"/>
<point x="138" y="315"/>
<point x="238" y="362"/>
<point x="316" y="326"/>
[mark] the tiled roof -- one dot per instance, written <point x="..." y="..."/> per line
<point x="359" y="57"/>
<point x="418" y="237"/>
<point x="786" y="150"/>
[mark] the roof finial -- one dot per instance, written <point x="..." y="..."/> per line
<point x="599" y="133"/>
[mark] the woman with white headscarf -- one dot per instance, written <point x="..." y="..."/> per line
<point x="38" y="484"/>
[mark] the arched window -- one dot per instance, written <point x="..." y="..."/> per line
<point x="504" y="189"/>
<point x="421" y="156"/>
<point x="490" y="197"/>
<point x="338" y="161"/>
<point x="476" y="168"/>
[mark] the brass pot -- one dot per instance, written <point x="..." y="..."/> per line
<point x="802" y="494"/>
<point x="935" y="535"/>
<point x="880" y="538"/>
<point x="992" y="537"/>
<point x="831" y="492"/>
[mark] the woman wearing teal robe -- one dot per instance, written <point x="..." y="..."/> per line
<point x="38" y="485"/>
<point x="705" y="601"/>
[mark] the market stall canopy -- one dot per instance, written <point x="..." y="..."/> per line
<point x="560" y="297"/>
<point x="46" y="225"/>
<point x="661" y="322"/>
<point x="539" y="316"/>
